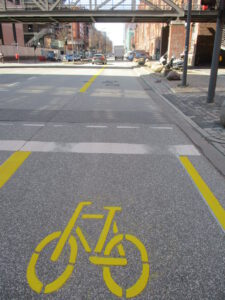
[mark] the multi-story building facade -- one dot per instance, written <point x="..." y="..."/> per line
<point x="12" y="33"/>
<point x="129" y="36"/>
<point x="159" y="38"/>
<point x="98" y="41"/>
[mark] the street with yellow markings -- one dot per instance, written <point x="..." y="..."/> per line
<point x="104" y="193"/>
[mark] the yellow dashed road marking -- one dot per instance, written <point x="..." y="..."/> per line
<point x="89" y="83"/>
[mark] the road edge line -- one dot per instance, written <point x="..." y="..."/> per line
<point x="216" y="209"/>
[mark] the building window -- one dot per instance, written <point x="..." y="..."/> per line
<point x="17" y="2"/>
<point x="14" y="32"/>
<point x="1" y="36"/>
<point x="30" y="28"/>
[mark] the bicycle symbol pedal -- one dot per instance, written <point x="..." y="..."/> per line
<point x="100" y="258"/>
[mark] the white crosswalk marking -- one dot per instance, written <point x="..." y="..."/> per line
<point x="97" y="148"/>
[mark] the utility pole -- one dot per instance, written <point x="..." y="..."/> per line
<point x="184" y="77"/>
<point x="216" y="53"/>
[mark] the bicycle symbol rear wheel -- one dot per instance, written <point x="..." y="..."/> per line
<point x="35" y="283"/>
<point x="141" y="283"/>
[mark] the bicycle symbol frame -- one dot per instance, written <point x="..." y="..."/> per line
<point x="106" y="261"/>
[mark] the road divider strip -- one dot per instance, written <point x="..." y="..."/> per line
<point x="210" y="199"/>
<point x="89" y="83"/>
<point x="9" y="167"/>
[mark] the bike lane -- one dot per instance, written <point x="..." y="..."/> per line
<point x="160" y="206"/>
<point x="182" y="239"/>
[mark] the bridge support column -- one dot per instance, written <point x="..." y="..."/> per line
<point x="133" y="4"/>
<point x="3" y="4"/>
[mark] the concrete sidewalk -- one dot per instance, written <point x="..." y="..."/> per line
<point x="191" y="100"/>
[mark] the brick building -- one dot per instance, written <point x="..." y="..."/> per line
<point x="98" y="41"/>
<point x="12" y="33"/>
<point x="159" y="38"/>
<point x="150" y="36"/>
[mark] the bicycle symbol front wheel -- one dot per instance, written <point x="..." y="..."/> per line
<point x="35" y="283"/>
<point x="141" y="283"/>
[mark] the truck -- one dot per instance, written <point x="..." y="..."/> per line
<point x="119" y="52"/>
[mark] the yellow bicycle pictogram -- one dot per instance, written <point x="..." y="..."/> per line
<point x="101" y="258"/>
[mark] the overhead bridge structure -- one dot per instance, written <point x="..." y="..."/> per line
<point x="129" y="11"/>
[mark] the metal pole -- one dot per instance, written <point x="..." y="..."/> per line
<point x="216" y="54"/>
<point x="184" y="77"/>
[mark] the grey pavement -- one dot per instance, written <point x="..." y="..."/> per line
<point x="160" y="204"/>
<point x="192" y="101"/>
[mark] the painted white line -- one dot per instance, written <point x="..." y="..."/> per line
<point x="91" y="148"/>
<point x="163" y="128"/>
<point x="127" y="127"/>
<point x="13" y="145"/>
<point x="6" y="124"/>
<point x="35" y="125"/>
<point x="58" y="125"/>
<point x="184" y="150"/>
<point x="31" y="78"/>
<point x="96" y="126"/>
<point x="12" y="84"/>
<point x="97" y="148"/>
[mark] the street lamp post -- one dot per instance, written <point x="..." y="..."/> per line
<point x="184" y="77"/>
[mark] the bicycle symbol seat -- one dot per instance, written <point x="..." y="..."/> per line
<point x="100" y="258"/>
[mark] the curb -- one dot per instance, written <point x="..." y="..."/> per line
<point x="191" y="122"/>
<point x="197" y="135"/>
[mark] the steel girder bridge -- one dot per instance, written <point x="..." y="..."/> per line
<point x="129" y="11"/>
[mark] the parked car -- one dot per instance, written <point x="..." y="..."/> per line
<point x="138" y="54"/>
<point x="51" y="56"/>
<point x="141" y="55"/>
<point x="69" y="57"/>
<point x="131" y="56"/>
<point x="76" y="57"/>
<point x="127" y="54"/>
<point x="99" y="59"/>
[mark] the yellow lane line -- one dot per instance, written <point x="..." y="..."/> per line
<point x="9" y="167"/>
<point x="89" y="83"/>
<point x="213" y="203"/>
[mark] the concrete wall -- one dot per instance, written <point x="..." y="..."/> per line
<point x="9" y="52"/>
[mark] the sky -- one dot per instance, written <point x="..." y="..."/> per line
<point x="115" y="31"/>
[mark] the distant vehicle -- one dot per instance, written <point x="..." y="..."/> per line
<point x="51" y="56"/>
<point x="127" y="54"/>
<point x="99" y="59"/>
<point x="63" y="57"/>
<point x="69" y="57"/>
<point x="138" y="54"/>
<point x="76" y="57"/>
<point x="131" y="56"/>
<point x="119" y="52"/>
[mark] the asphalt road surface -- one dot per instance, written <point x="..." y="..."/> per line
<point x="102" y="195"/>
